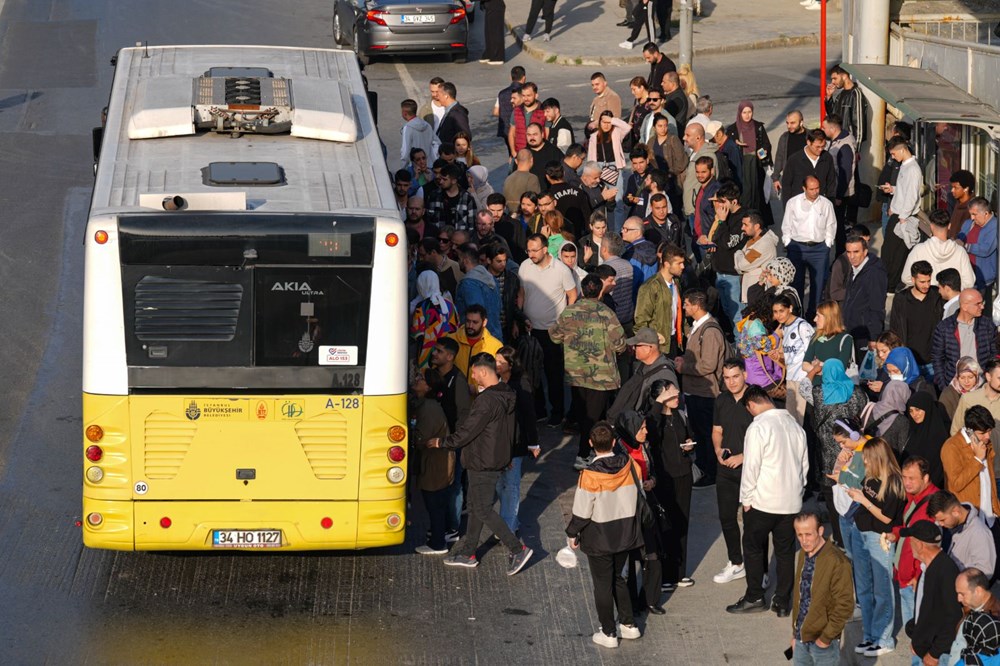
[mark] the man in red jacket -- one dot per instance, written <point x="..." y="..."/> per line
<point x="918" y="486"/>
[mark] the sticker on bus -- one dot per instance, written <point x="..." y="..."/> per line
<point x="338" y="355"/>
<point x="217" y="409"/>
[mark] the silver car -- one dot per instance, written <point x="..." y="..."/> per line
<point x="397" y="27"/>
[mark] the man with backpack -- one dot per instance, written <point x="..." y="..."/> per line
<point x="700" y="369"/>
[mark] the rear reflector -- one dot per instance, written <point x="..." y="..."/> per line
<point x="393" y="520"/>
<point x="95" y="474"/>
<point x="95" y="433"/>
<point x="395" y="474"/>
<point x="94" y="453"/>
<point x="165" y="522"/>
<point x="326" y="523"/>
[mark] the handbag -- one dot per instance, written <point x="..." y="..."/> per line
<point x="852" y="368"/>
<point x="778" y="389"/>
<point x="642" y="509"/>
<point x="869" y="367"/>
<point x="609" y="174"/>
<point x="863" y="195"/>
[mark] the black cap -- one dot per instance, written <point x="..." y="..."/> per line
<point x="923" y="530"/>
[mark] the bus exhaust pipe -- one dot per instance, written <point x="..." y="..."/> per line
<point x="174" y="203"/>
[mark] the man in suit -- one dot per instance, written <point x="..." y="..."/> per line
<point x="456" y="116"/>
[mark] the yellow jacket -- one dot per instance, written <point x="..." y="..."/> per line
<point x="486" y="343"/>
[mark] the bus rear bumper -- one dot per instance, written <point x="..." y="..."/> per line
<point x="151" y="525"/>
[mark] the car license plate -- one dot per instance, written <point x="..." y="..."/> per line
<point x="246" y="538"/>
<point x="418" y="18"/>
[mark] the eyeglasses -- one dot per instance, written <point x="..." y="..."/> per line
<point x="650" y="100"/>
<point x="624" y="229"/>
<point x="444" y="240"/>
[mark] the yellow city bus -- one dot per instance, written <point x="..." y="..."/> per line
<point x="244" y="329"/>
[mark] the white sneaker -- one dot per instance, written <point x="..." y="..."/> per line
<point x="604" y="640"/>
<point x="877" y="650"/>
<point x="730" y="573"/>
<point x="526" y="37"/>
<point x="630" y="632"/>
<point x="626" y="45"/>
<point x="804" y="3"/>
<point x="814" y="8"/>
<point x="427" y="550"/>
<point x="546" y="37"/>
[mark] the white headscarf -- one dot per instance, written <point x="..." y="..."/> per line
<point x="429" y="288"/>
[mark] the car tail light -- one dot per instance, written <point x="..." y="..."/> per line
<point x="397" y="453"/>
<point x="165" y="522"/>
<point x="375" y="16"/>
<point x="456" y="16"/>
<point x="94" y="453"/>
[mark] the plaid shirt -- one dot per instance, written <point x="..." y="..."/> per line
<point x="459" y="211"/>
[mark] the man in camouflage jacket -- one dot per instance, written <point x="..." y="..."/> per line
<point x="591" y="335"/>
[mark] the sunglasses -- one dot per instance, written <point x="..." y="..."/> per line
<point x="444" y="240"/>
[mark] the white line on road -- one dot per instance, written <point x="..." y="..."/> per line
<point x="408" y="83"/>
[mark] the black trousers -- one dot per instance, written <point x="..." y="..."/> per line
<point x="493" y="30"/>
<point x="674" y="494"/>
<point x="727" y="495"/>
<point x="554" y="367"/>
<point x="847" y="216"/>
<point x="664" y="8"/>
<point x="894" y="253"/>
<point x="757" y="526"/>
<point x="479" y="501"/>
<point x="610" y="590"/>
<point x="548" y="10"/>
<point x="642" y="17"/>
<point x="652" y="579"/>
<point x="699" y="411"/>
<point x="834" y="516"/>
<point x="589" y="407"/>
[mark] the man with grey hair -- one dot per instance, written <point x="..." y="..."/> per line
<point x="612" y="248"/>
<point x="598" y="194"/>
<point x="703" y="112"/>
<point x="983" y="253"/>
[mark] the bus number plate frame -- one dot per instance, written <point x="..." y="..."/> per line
<point x="246" y="539"/>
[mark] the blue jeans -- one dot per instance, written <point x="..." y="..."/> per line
<point x="810" y="654"/>
<point x="876" y="590"/>
<point x="885" y="217"/>
<point x="907" y="603"/>
<point x="814" y="260"/>
<point x="509" y="491"/>
<point x="730" y="291"/>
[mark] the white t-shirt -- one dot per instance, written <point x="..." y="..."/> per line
<point x="545" y="291"/>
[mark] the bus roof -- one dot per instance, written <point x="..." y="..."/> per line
<point x="154" y="95"/>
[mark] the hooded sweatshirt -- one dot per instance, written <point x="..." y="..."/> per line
<point x="417" y="133"/>
<point x="604" y="507"/>
<point x="487" y="433"/>
<point x="478" y="286"/>
<point x="941" y="254"/>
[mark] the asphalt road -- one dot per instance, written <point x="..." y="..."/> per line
<point x="66" y="604"/>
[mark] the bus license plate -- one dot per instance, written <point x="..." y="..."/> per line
<point x="418" y="18"/>
<point x="246" y="538"/>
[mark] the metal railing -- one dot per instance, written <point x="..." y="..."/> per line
<point x="977" y="32"/>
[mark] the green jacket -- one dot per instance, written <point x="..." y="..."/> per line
<point x="654" y="308"/>
<point x="832" y="597"/>
<point x="591" y="336"/>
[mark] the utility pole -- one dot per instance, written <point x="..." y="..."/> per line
<point x="686" y="31"/>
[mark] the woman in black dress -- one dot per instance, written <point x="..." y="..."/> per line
<point x="751" y="136"/>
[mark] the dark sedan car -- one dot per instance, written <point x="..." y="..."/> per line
<point x="398" y="27"/>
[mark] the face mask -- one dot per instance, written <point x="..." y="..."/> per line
<point x="895" y="377"/>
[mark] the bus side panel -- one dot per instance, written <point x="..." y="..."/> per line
<point x="110" y="496"/>
<point x="381" y="414"/>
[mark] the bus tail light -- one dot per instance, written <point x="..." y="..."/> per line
<point x="326" y="523"/>
<point x="393" y="520"/>
<point x="94" y="453"/>
<point x="101" y="237"/>
<point x="165" y="522"/>
<point x="397" y="454"/>
<point x="94" y="519"/>
<point x="397" y="434"/>
<point x="95" y="474"/>
<point x="395" y="474"/>
<point x="392" y="240"/>
<point x="95" y="433"/>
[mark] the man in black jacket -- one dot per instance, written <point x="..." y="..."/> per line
<point x="813" y="161"/>
<point x="487" y="435"/>
<point x="916" y="311"/>
<point x="932" y="630"/>
<point x="652" y="365"/>
<point x="864" y="302"/>
<point x="456" y="116"/>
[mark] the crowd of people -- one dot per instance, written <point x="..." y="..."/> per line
<point x="633" y="284"/>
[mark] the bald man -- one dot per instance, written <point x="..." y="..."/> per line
<point x="965" y="333"/>
<point x="694" y="138"/>
<point x="791" y="142"/>
<point x="520" y="181"/>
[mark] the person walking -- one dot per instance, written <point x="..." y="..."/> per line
<point x="487" y="438"/>
<point x="433" y="315"/>
<point x="437" y="466"/>
<point x="591" y="337"/>
<point x="548" y="10"/>
<point x="473" y="338"/>
<point x="775" y="465"/>
<point x="937" y="612"/>
<point x="823" y="596"/>
<point x="605" y="525"/>
<point x="509" y="485"/>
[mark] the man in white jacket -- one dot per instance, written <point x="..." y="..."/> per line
<point x="775" y="464"/>
<point x="417" y="133"/>
<point x="761" y="247"/>
<point x="941" y="252"/>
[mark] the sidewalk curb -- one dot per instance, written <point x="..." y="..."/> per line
<point x="535" y="50"/>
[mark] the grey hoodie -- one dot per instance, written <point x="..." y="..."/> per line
<point x="417" y="133"/>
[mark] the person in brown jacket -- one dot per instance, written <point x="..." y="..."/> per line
<point x="967" y="458"/>
<point x="436" y="466"/>
<point x="700" y="370"/>
<point x="823" y="597"/>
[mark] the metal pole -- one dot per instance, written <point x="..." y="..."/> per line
<point x="871" y="45"/>
<point x="687" y="32"/>
<point x="822" y="62"/>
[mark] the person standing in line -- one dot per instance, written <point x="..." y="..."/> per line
<point x="548" y="286"/>
<point x="605" y="525"/>
<point x="971" y="540"/>
<point x="493" y="31"/>
<point x="503" y="106"/>
<point x="963" y="188"/>
<point x="791" y="142"/>
<point x="659" y="305"/>
<point x="984" y="391"/>
<point x="558" y="131"/>
<point x="968" y="332"/>
<point x="456" y="116"/>
<point x="979" y="238"/>
<point x="795" y="334"/>
<point x="809" y="231"/>
<point x="591" y="337"/>
<point x="775" y="465"/>
<point x="487" y="438"/>
<point x="845" y="99"/>
<point x="968" y="461"/>
<point x="701" y="369"/>
<point x="823" y="597"/>
<point x="416" y="133"/>
<point x="844" y="150"/>
<point x="813" y="160"/>
<point x="864" y="300"/>
<point x="509" y="484"/>
<point x="978" y="640"/>
<point x="902" y="231"/>
<point x="755" y="148"/>
<point x="730" y="420"/>
<point x="622" y="292"/>
<point x="915" y="313"/>
<point x="527" y="112"/>
<point x="941" y="252"/>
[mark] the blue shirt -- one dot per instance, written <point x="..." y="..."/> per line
<point x="805" y="590"/>
<point x="983" y="252"/>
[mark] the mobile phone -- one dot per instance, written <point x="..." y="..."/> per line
<point x="726" y="454"/>
<point x="788" y="653"/>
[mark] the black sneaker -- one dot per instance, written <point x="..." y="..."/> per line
<point x="467" y="561"/>
<point x="518" y="560"/>
<point x="779" y="610"/>
<point x="742" y="606"/>
<point x="451" y="537"/>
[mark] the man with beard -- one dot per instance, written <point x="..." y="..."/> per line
<point x="542" y="152"/>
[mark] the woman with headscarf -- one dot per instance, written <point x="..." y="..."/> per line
<point x="887" y="417"/>
<point x="835" y="398"/>
<point x="968" y="377"/>
<point x="432" y="316"/>
<point x="479" y="185"/>
<point x="775" y="279"/>
<point x="928" y="430"/>
<point x="901" y="365"/>
<point x="751" y="136"/>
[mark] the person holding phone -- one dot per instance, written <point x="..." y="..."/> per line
<point x="967" y="458"/>
<point x="751" y="136"/>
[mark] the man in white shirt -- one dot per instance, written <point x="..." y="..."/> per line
<point x="941" y="252"/>
<point x="547" y="286"/>
<point x="902" y="231"/>
<point x="808" y="231"/>
<point x="775" y="464"/>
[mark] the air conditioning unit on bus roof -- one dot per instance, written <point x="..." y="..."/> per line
<point x="242" y="101"/>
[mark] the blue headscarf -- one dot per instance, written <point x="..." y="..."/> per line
<point x="903" y="358"/>
<point x="837" y="386"/>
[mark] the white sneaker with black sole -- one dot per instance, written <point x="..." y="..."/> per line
<point x="629" y="631"/>
<point x="685" y="582"/>
<point x="730" y="573"/>
<point x="876" y="650"/>
<point x="604" y="640"/>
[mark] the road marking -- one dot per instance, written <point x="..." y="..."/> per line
<point x="408" y="83"/>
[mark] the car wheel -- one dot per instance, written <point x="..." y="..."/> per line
<point x="338" y="37"/>
<point x="362" y="58"/>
